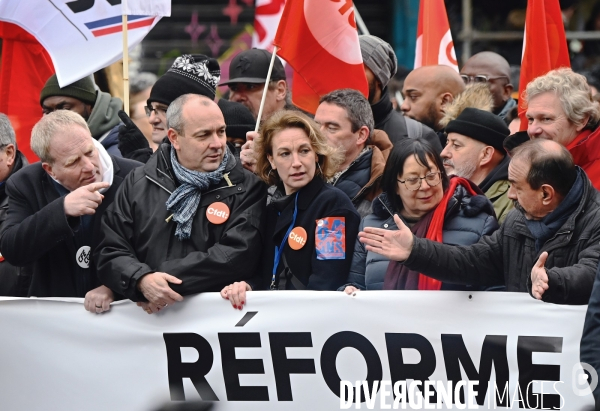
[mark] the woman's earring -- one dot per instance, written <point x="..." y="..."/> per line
<point x="320" y="170"/>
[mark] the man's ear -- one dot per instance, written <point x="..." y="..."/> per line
<point x="48" y="169"/>
<point x="548" y="194"/>
<point x="487" y="153"/>
<point x="281" y="90"/>
<point x="11" y="154"/>
<point x="446" y="98"/>
<point x="363" y="135"/>
<point x="508" y="89"/>
<point x="583" y="123"/>
<point x="173" y="138"/>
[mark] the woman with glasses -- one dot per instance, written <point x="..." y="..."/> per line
<point x="311" y="227"/>
<point x="416" y="187"/>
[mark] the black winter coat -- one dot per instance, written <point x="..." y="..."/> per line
<point x="320" y="207"/>
<point x="38" y="236"/>
<point x="590" y="341"/>
<point x="11" y="281"/>
<point x="139" y="238"/>
<point x="507" y="256"/>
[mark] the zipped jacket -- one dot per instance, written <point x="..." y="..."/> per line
<point x="139" y="232"/>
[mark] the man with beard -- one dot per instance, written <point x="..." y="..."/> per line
<point x="474" y="151"/>
<point x="98" y="109"/>
<point x="426" y="91"/>
<point x="380" y="66"/>
<point x="548" y="246"/>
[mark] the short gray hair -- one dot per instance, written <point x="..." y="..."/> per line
<point x="50" y="125"/>
<point x="175" y="110"/>
<point x="356" y="105"/>
<point x="573" y="92"/>
<point x="7" y="132"/>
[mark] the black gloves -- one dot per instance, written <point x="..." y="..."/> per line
<point x="130" y="137"/>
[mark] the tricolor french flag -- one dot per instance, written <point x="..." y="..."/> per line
<point x="115" y="24"/>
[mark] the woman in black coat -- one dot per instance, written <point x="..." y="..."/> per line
<point x="311" y="226"/>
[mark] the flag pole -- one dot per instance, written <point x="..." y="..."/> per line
<point x="264" y="95"/>
<point x="360" y="22"/>
<point x="125" y="61"/>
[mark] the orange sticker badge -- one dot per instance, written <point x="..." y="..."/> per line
<point x="297" y="238"/>
<point x="217" y="213"/>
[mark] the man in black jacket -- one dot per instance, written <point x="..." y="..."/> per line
<point x="380" y="66"/>
<point x="11" y="161"/>
<point x="55" y="206"/>
<point x="189" y="221"/>
<point x="590" y="341"/>
<point x="548" y="246"/>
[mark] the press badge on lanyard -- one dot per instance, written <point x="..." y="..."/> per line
<point x="330" y="238"/>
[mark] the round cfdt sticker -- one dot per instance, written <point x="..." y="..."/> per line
<point x="83" y="256"/>
<point x="297" y="238"/>
<point x="217" y="213"/>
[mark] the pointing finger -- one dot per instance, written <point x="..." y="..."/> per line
<point x="542" y="260"/>
<point x="126" y="119"/>
<point x="97" y="186"/>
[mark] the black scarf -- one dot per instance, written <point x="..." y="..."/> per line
<point x="545" y="228"/>
<point x="500" y="172"/>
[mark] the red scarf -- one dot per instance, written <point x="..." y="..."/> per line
<point x="435" y="229"/>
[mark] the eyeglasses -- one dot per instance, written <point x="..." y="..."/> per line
<point x="414" y="183"/>
<point x="479" y="78"/>
<point x="150" y="109"/>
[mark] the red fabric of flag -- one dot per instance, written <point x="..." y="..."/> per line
<point x="434" y="39"/>
<point x="318" y="38"/>
<point x="544" y="46"/>
<point x="24" y="70"/>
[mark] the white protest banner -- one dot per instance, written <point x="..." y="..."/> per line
<point x="293" y="351"/>
<point x="82" y="36"/>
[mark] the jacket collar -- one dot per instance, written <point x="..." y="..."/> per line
<point x="383" y="108"/>
<point x="306" y="196"/>
<point x="500" y="172"/>
<point x="381" y="147"/>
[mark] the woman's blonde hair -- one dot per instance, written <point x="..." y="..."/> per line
<point x="329" y="158"/>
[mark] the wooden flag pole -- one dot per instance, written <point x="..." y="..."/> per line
<point x="264" y="95"/>
<point x="125" y="62"/>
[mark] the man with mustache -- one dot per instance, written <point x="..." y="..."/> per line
<point x="474" y="151"/>
<point x="548" y="246"/>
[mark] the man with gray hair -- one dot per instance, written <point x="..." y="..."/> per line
<point x="54" y="210"/>
<point x="190" y="220"/>
<point x="11" y="161"/>
<point x="381" y="65"/>
<point x="560" y="108"/>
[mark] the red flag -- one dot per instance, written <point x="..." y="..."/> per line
<point x="434" y="40"/>
<point x="25" y="68"/>
<point x="318" y="38"/>
<point x="544" y="46"/>
<point x="267" y="15"/>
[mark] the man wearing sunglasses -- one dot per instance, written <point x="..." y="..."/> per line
<point x="492" y="69"/>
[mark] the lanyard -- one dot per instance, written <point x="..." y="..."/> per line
<point x="279" y="250"/>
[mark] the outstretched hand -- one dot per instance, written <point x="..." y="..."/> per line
<point x="395" y="245"/>
<point x="539" y="277"/>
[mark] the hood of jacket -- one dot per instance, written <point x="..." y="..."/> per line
<point x="104" y="114"/>
<point x="383" y="108"/>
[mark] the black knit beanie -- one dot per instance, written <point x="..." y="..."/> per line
<point x="195" y="74"/>
<point x="480" y="125"/>
<point x="82" y="90"/>
<point x="238" y="118"/>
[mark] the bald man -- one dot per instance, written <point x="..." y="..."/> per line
<point x="493" y="69"/>
<point x="427" y="90"/>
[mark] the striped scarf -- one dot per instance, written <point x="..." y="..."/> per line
<point x="184" y="201"/>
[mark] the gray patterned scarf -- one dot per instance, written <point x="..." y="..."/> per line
<point x="184" y="201"/>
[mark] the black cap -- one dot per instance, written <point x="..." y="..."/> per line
<point x="238" y="118"/>
<point x="252" y="66"/>
<point x="480" y="125"/>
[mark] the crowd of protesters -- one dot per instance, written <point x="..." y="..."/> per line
<point x="187" y="198"/>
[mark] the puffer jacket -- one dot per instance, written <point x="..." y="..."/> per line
<point x="139" y="235"/>
<point x="467" y="219"/>
<point x="508" y="255"/>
